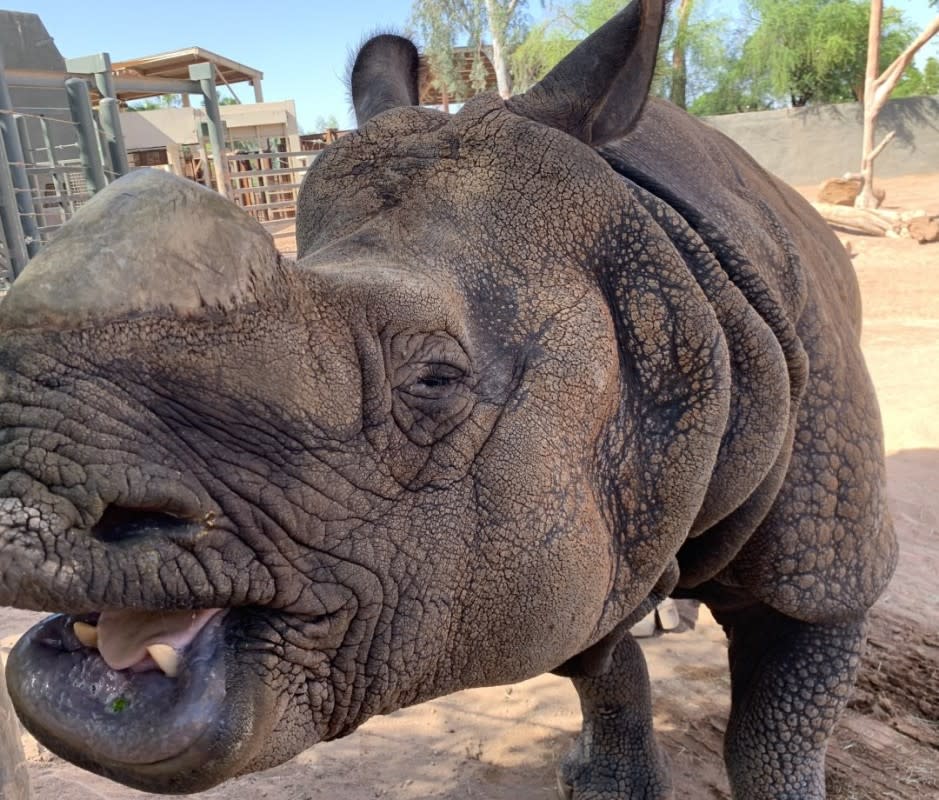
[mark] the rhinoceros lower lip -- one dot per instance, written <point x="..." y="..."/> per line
<point x="68" y="695"/>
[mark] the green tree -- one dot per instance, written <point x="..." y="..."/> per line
<point x="931" y="76"/>
<point x="814" y="51"/>
<point x="678" y="79"/>
<point x="549" y="41"/>
<point x="732" y="92"/>
<point x="326" y="123"/>
<point x="154" y="103"/>
<point x="693" y="52"/>
<point x="916" y="82"/>
<point x="442" y="25"/>
<point x="698" y="54"/>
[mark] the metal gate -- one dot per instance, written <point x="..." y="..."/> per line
<point x="265" y="182"/>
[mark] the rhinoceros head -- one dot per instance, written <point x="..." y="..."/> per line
<point x="456" y="443"/>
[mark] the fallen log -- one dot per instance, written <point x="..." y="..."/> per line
<point x="863" y="220"/>
<point x="917" y="225"/>
<point x="14" y="779"/>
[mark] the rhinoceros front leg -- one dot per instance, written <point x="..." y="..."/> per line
<point x="616" y="756"/>
<point x="790" y="682"/>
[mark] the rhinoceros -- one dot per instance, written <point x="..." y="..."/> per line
<point x="537" y="366"/>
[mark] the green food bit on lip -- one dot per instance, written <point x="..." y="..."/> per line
<point x="118" y="705"/>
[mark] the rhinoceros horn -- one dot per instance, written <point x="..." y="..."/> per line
<point x="597" y="92"/>
<point x="149" y="242"/>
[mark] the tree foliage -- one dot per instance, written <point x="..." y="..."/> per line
<point x="773" y="53"/>
<point x="703" y="40"/>
<point x="496" y="26"/>
<point x="814" y="51"/>
<point x="549" y="41"/>
<point x="916" y="82"/>
<point x="326" y="123"/>
<point x="154" y="103"/>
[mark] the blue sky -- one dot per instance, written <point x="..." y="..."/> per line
<point x="301" y="47"/>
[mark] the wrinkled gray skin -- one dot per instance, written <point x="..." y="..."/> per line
<point x="539" y="364"/>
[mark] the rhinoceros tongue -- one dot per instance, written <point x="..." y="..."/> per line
<point x="123" y="636"/>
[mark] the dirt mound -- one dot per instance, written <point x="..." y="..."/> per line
<point x="899" y="679"/>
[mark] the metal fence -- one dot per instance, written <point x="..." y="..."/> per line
<point x="64" y="156"/>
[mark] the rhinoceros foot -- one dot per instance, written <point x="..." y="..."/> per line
<point x="634" y="776"/>
<point x="616" y="755"/>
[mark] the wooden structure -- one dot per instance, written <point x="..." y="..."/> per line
<point x="265" y="183"/>
<point x="175" y="66"/>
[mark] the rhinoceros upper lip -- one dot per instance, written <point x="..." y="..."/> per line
<point x="67" y="693"/>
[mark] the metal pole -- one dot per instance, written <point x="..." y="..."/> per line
<point x="113" y="135"/>
<point x="100" y="66"/>
<point x="10" y="218"/>
<point x="204" y="155"/>
<point x="61" y="187"/>
<point x="79" y="102"/>
<point x="205" y="74"/>
<point x="17" y="165"/>
<point x="30" y="156"/>
<point x="104" y="152"/>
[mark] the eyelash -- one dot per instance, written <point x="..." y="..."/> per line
<point x="434" y="381"/>
<point x="438" y="376"/>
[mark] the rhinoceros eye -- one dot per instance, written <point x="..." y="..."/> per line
<point x="435" y="379"/>
<point x="432" y="389"/>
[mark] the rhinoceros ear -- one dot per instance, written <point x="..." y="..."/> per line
<point x="384" y="76"/>
<point x="597" y="92"/>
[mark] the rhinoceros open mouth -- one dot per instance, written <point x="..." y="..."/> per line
<point x="123" y="688"/>
<point x="166" y="698"/>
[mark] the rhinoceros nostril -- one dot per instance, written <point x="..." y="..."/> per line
<point x="119" y="523"/>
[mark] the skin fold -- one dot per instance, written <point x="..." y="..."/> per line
<point x="538" y="365"/>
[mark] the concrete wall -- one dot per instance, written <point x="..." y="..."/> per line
<point x="164" y="126"/>
<point x="161" y="127"/>
<point x="808" y="145"/>
<point x="26" y="44"/>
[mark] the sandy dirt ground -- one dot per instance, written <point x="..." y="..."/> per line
<point x="503" y="743"/>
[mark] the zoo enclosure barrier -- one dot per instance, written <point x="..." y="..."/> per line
<point x="265" y="183"/>
<point x="54" y="157"/>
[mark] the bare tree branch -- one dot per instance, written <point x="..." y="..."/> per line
<point x="889" y="78"/>
<point x="887" y="139"/>
<point x="877" y="90"/>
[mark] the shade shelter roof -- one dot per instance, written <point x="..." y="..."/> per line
<point x="175" y="66"/>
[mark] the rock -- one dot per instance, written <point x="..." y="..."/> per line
<point x="924" y="229"/>
<point x="839" y="191"/>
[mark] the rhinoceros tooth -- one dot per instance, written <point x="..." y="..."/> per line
<point x="167" y="659"/>
<point x="86" y="634"/>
